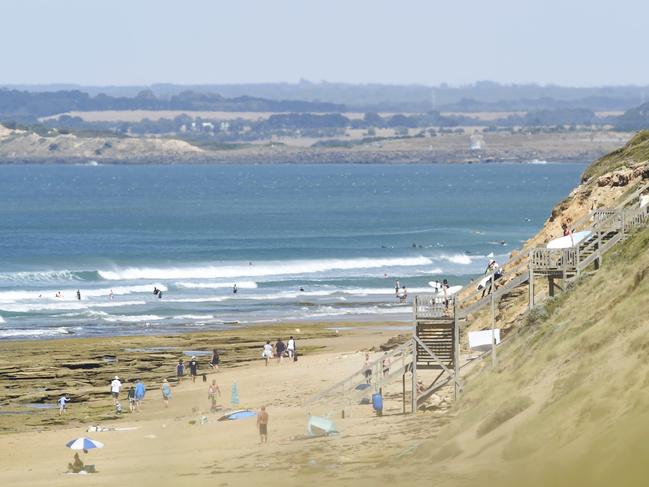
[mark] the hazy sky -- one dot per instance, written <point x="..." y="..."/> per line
<point x="102" y="42"/>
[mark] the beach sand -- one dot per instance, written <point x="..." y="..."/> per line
<point x="171" y="446"/>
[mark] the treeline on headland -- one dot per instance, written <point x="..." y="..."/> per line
<point x="25" y="106"/>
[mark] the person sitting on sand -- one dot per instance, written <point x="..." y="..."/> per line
<point x="166" y="392"/>
<point x="77" y="465"/>
<point x="267" y="354"/>
<point x="212" y="394"/>
<point x="262" y="423"/>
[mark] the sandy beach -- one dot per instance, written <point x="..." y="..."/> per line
<point x="184" y="444"/>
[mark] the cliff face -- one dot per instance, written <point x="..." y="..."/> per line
<point x="569" y="401"/>
<point x="604" y="183"/>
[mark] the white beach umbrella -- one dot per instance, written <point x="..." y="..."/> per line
<point x="84" y="443"/>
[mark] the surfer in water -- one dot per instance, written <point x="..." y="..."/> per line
<point x="234" y="289"/>
<point x="155" y="290"/>
<point x="78" y="295"/>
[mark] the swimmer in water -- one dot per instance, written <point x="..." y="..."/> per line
<point x="234" y="289"/>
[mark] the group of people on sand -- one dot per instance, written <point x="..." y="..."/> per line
<point x="280" y="350"/>
<point x="135" y="394"/>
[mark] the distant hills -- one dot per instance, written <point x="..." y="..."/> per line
<point x="480" y="96"/>
<point x="26" y="106"/>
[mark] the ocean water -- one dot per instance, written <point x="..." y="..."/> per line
<point x="342" y="234"/>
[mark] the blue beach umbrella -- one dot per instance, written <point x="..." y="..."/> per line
<point x="83" y="444"/>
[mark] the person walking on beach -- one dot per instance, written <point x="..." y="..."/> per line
<point x="180" y="370"/>
<point x="63" y="400"/>
<point x="166" y="392"/>
<point x="130" y="395"/>
<point x="367" y="369"/>
<point x="267" y="354"/>
<point x="290" y="348"/>
<point x="386" y="364"/>
<point x="115" y="387"/>
<point x="193" y="368"/>
<point x="262" y="423"/>
<point x="280" y="348"/>
<point x="215" y="360"/>
<point x="140" y="390"/>
<point x="212" y="394"/>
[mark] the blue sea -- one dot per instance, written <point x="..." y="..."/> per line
<point x="301" y="242"/>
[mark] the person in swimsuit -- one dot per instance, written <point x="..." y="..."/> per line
<point x="262" y="423"/>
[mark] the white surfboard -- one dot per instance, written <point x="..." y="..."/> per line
<point x="449" y="292"/>
<point x="567" y="242"/>
<point x="485" y="280"/>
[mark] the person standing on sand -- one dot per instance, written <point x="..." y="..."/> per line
<point x="267" y="354"/>
<point x="140" y="390"/>
<point x="193" y="368"/>
<point x="130" y="395"/>
<point x="215" y="360"/>
<point x="262" y="423"/>
<point x="115" y="387"/>
<point x="63" y="400"/>
<point x="180" y="370"/>
<point x="280" y="348"/>
<point x="166" y="392"/>
<point x="290" y="347"/>
<point x="212" y="394"/>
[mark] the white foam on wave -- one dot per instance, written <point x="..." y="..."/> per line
<point x="329" y="311"/>
<point x="64" y="305"/>
<point x="2" y="320"/>
<point x="70" y="294"/>
<point x="460" y="259"/>
<point x="216" y="285"/>
<point x="270" y="268"/>
<point x="41" y="276"/>
<point x="38" y="332"/>
<point x="132" y="318"/>
<point x="194" y="317"/>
